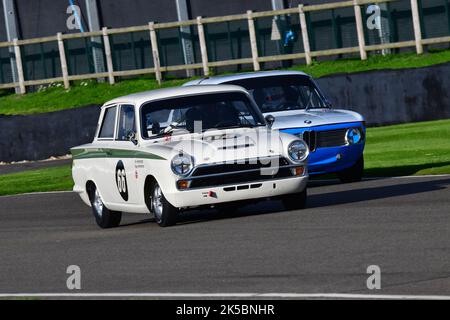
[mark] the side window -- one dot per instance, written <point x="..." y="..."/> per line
<point x="109" y="121"/>
<point x="127" y="122"/>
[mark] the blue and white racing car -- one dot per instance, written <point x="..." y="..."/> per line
<point x="295" y="104"/>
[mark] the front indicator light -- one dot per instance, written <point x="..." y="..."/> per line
<point x="298" y="171"/>
<point x="182" y="184"/>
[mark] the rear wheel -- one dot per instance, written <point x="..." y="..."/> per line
<point x="354" y="173"/>
<point x="295" y="201"/>
<point x="104" y="217"/>
<point x="165" y="214"/>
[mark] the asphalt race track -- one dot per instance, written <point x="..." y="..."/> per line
<point x="400" y="224"/>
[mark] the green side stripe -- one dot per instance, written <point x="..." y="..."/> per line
<point x="112" y="153"/>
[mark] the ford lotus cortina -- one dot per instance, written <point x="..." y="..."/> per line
<point x="164" y="151"/>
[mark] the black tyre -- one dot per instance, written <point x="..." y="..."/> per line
<point x="295" y="201"/>
<point x="165" y="214"/>
<point x="104" y="217"/>
<point x="354" y="173"/>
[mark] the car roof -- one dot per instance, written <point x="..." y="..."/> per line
<point x="146" y="96"/>
<point x="242" y="76"/>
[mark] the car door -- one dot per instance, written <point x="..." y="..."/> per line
<point x="121" y="159"/>
<point x="103" y="174"/>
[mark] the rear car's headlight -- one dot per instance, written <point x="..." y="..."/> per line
<point x="353" y="136"/>
<point x="182" y="164"/>
<point x="298" y="151"/>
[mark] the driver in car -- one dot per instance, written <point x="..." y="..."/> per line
<point x="274" y="98"/>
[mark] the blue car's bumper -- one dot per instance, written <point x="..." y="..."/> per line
<point x="332" y="158"/>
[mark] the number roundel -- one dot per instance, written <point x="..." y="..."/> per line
<point x="121" y="180"/>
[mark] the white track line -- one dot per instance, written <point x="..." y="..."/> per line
<point x="229" y="295"/>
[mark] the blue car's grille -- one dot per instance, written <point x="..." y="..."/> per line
<point x="325" y="139"/>
<point x="310" y="137"/>
<point x="331" y="138"/>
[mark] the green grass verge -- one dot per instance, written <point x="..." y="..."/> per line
<point x="84" y="93"/>
<point x="48" y="179"/>
<point x="80" y="94"/>
<point x="409" y="149"/>
<point x="376" y="62"/>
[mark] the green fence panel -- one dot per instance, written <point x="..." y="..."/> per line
<point x="80" y="55"/>
<point x="5" y="66"/>
<point x="171" y="51"/>
<point x="131" y="51"/>
<point x="435" y="20"/>
<point x="41" y="61"/>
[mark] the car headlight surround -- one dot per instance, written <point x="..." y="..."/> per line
<point x="182" y="164"/>
<point x="298" y="150"/>
<point x="353" y="136"/>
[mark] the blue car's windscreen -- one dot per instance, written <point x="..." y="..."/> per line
<point x="282" y="93"/>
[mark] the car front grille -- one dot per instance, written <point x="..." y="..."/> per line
<point x="241" y="165"/>
<point x="331" y="138"/>
<point x="241" y="172"/>
<point x="310" y="138"/>
<point x="325" y="139"/>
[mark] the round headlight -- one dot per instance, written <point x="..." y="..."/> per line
<point x="298" y="150"/>
<point x="182" y="164"/>
<point x="353" y="136"/>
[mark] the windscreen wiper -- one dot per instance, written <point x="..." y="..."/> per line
<point x="231" y="127"/>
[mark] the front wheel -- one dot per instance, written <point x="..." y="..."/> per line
<point x="354" y="173"/>
<point x="104" y="217"/>
<point x="165" y="214"/>
<point x="295" y="201"/>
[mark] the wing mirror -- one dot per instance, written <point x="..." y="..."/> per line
<point x="131" y="136"/>
<point x="270" y="119"/>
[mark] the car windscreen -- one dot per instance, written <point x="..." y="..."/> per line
<point x="198" y="112"/>
<point x="282" y="93"/>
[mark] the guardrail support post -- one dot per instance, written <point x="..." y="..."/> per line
<point x="203" y="50"/>
<point x="416" y="23"/>
<point x="155" y="52"/>
<point x="109" y="63"/>
<point x="19" y="66"/>
<point x="360" y="30"/>
<point x="253" y="41"/>
<point x="63" y="61"/>
<point x="305" y="37"/>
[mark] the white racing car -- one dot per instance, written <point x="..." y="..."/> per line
<point x="167" y="150"/>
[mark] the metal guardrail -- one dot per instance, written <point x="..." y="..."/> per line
<point x="205" y="65"/>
